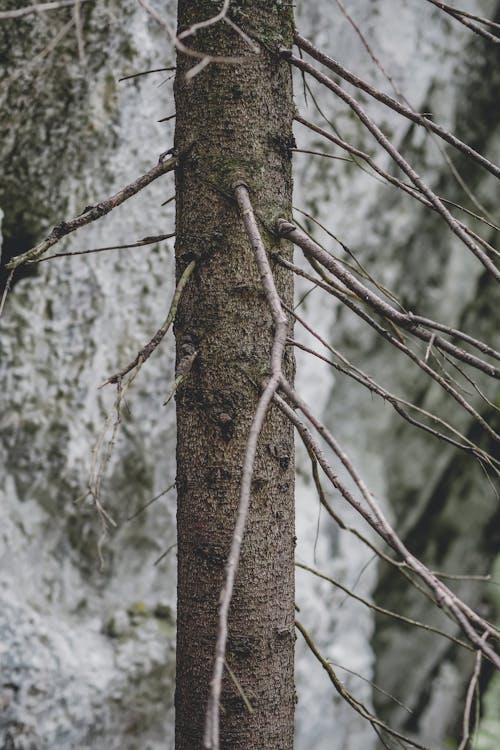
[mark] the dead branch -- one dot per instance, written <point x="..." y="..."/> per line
<point x="397" y="157"/>
<point x="413" y="192"/>
<point x="333" y="65"/>
<point x="39" y="7"/>
<point x="211" y="734"/>
<point x="149" y="348"/>
<point x="382" y="610"/>
<point x="348" y="697"/>
<point x="92" y="213"/>
<point x="463" y="18"/>
<point x="469" y="621"/>
<point x="404" y="320"/>
<point x="139" y="243"/>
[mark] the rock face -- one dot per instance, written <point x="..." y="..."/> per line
<point x="86" y="622"/>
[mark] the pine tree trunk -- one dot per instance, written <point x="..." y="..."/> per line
<point x="234" y="121"/>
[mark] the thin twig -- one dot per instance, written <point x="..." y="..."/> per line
<point x="139" y="243"/>
<point x="92" y="213"/>
<point x="474" y="680"/>
<point x="348" y="697"/>
<point x="144" y="73"/>
<point x="150" y="502"/>
<point x="397" y="158"/>
<point x="6" y="290"/>
<point x="382" y="610"/>
<point x="393" y="103"/>
<point x="204" y="57"/>
<point x="149" y="348"/>
<point x="212" y="718"/>
<point x="79" y="32"/>
<point x="20" y="12"/>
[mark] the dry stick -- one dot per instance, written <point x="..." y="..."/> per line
<point x="469" y="380"/>
<point x="390" y="102"/>
<point x="466" y="14"/>
<point x="400" y="566"/>
<point x="395" y="341"/>
<point x="149" y="348"/>
<point x="413" y="192"/>
<point x="397" y="403"/>
<point x="211" y="734"/>
<point x="92" y="213"/>
<point x="139" y="243"/>
<point x="461" y="613"/>
<point x="345" y="299"/>
<point x="144" y="73"/>
<point x="189" y="51"/>
<point x="372" y="684"/>
<point x="20" y="12"/>
<point x="310" y="247"/>
<point x="399" y="94"/>
<point x="382" y="610"/>
<point x="207" y="22"/>
<point x="468" y="701"/>
<point x="320" y="153"/>
<point x="462" y="18"/>
<point x="6" y="290"/>
<point x="348" y="697"/>
<point x="150" y="502"/>
<point x="397" y="157"/>
<point x="79" y="32"/>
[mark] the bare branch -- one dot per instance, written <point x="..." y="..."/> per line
<point x="92" y="213"/>
<point x="144" y="73"/>
<point x="398" y="403"/>
<point x="346" y="695"/>
<point x="473" y="684"/>
<point x="149" y="348"/>
<point x="398" y="158"/>
<point x="466" y="618"/>
<point x="20" y="12"/>
<point x="211" y="734"/>
<point x="399" y="94"/>
<point x="462" y="17"/>
<point x="139" y="243"/>
<point x="413" y="192"/>
<point x="382" y="610"/>
<point x="404" y="320"/>
<point x="204" y="58"/>
<point x="392" y="103"/>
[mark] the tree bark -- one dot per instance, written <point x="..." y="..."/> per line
<point x="234" y="121"/>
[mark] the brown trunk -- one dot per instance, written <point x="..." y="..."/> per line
<point x="233" y="121"/>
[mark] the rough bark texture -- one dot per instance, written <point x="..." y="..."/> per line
<point x="235" y="119"/>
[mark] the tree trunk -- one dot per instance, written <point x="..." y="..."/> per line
<point x="234" y="121"/>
